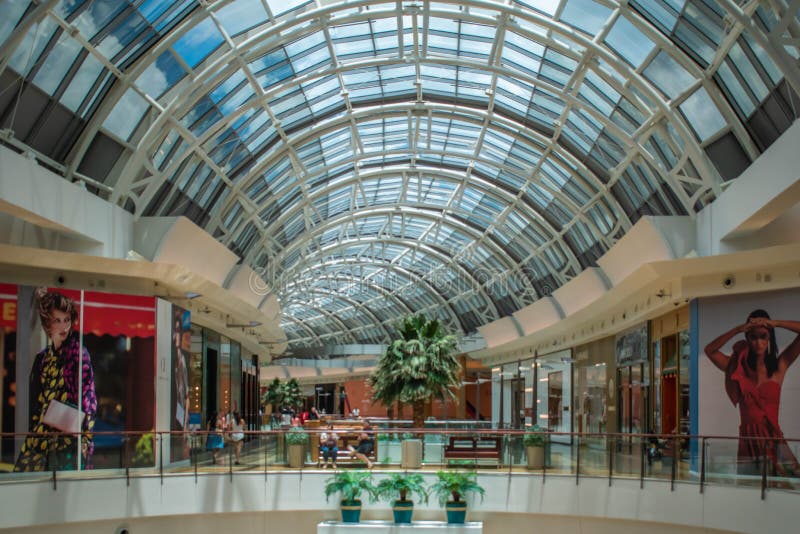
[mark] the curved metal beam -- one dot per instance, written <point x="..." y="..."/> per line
<point x="445" y="305"/>
<point x="338" y="276"/>
<point x="475" y="285"/>
<point x="354" y="303"/>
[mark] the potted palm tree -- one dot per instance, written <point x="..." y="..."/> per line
<point x="296" y="442"/>
<point x="456" y="484"/>
<point x="351" y="484"/>
<point x="417" y="366"/>
<point x="534" y="442"/>
<point x="402" y="485"/>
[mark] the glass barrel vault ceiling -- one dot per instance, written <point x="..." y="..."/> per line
<point x="373" y="158"/>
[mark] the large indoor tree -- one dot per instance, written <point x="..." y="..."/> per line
<point x="284" y="395"/>
<point x="417" y="366"/>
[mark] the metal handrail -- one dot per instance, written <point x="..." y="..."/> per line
<point x="617" y="447"/>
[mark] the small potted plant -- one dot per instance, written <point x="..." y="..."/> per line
<point x="403" y="486"/>
<point x="456" y="484"/>
<point x="534" y="442"/>
<point x="351" y="484"/>
<point x="296" y="441"/>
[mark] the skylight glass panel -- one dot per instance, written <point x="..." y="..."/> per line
<point x="153" y="9"/>
<point x="522" y="53"/>
<point x="547" y="7"/>
<point x="271" y="78"/>
<point x="601" y="216"/>
<point x="28" y="51"/>
<point x="236" y="100"/>
<point x="227" y="86"/>
<point x="279" y="7"/>
<point x="629" y="42"/>
<point x="56" y="63"/>
<point x="736" y="89"/>
<point x="160" y="75"/>
<point x="81" y="83"/>
<point x="693" y="41"/>
<point x="476" y="39"/>
<point x="198" y="43"/>
<point x="12" y="13"/>
<point x="663" y="12"/>
<point x="748" y="72"/>
<point x="97" y="15"/>
<point x="668" y="75"/>
<point x="585" y="15"/>
<point x="321" y="87"/>
<point x="441" y="43"/>
<point x="132" y="28"/>
<point x="268" y="60"/>
<point x="126" y="115"/>
<point x="241" y="15"/>
<point x="701" y="113"/>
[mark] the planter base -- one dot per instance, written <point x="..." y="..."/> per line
<point x="351" y="511"/>
<point x="403" y="510"/>
<point x="456" y="512"/>
<point x="387" y="527"/>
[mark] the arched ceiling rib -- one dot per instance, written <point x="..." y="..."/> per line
<point x="491" y="141"/>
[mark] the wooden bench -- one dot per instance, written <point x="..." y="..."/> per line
<point x="473" y="448"/>
<point x="348" y="436"/>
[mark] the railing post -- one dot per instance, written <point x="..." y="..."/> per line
<point x="610" y="459"/>
<point x="764" y="473"/>
<point x="674" y="463"/>
<point x="266" y="461"/>
<point x="546" y="454"/>
<point x="511" y="448"/>
<point x="578" y="461"/>
<point x="644" y="452"/>
<point x="702" y="463"/>
<point x="125" y="462"/>
<point x="160" y="457"/>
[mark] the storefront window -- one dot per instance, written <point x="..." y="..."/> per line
<point x="196" y="378"/>
<point x="225" y="375"/>
<point x="590" y="394"/>
<point x="553" y="393"/>
<point x="683" y="367"/>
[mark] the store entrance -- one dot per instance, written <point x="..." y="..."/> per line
<point x="517" y="390"/>
<point x="633" y="393"/>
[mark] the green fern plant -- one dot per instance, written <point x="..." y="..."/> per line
<point x="351" y="484"/>
<point x="402" y="486"/>
<point x="456" y="484"/>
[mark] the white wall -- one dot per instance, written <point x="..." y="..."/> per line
<point x="564" y="503"/>
<point x="44" y="210"/>
<point x="763" y="193"/>
<point x="163" y="373"/>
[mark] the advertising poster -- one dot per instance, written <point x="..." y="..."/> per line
<point x="181" y="347"/>
<point x="749" y="380"/>
<point x="8" y="371"/>
<point x="85" y="362"/>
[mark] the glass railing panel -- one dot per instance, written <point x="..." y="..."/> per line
<point x="696" y="460"/>
<point x="579" y="455"/>
<point x="628" y="456"/>
<point x="722" y="466"/>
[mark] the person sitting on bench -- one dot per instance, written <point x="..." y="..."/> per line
<point x="328" y="447"/>
<point x="366" y="444"/>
